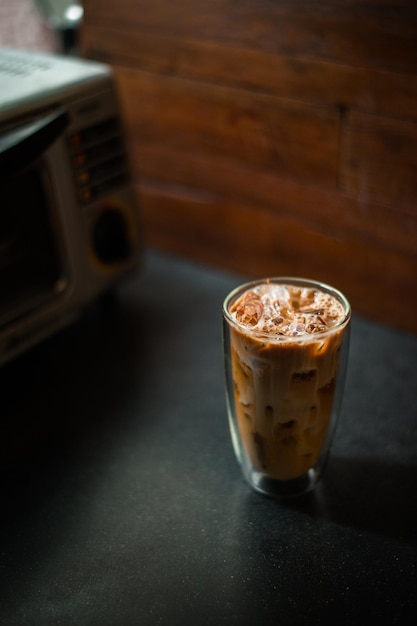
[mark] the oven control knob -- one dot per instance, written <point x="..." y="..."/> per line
<point x="110" y="237"/>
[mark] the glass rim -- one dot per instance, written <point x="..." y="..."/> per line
<point x="289" y="280"/>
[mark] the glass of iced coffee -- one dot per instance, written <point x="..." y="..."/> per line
<point x="285" y="347"/>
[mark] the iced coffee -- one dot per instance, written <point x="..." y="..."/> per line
<point x="285" y="347"/>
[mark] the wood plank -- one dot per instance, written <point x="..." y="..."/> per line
<point x="374" y="34"/>
<point x="330" y="212"/>
<point x="292" y="76"/>
<point x="270" y="133"/>
<point x="379" y="159"/>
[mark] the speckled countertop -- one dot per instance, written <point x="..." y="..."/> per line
<point x="122" y="503"/>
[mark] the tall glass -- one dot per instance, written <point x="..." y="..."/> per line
<point x="284" y="393"/>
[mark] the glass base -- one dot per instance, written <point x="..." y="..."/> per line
<point x="282" y="488"/>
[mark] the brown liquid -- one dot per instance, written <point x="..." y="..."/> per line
<point x="284" y="379"/>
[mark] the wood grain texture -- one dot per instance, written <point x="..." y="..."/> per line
<point x="380" y="159"/>
<point x="297" y="77"/>
<point x="261" y="130"/>
<point x="272" y="137"/>
<point x="377" y="33"/>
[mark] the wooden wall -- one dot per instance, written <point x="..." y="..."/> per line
<point x="275" y="137"/>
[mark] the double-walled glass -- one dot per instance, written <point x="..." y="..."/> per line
<point x="283" y="395"/>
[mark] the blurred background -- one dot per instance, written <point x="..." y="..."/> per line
<point x="267" y="137"/>
<point x="41" y="25"/>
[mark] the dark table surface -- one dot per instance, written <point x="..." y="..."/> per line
<point x="122" y="503"/>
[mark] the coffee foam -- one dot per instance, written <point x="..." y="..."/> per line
<point x="287" y="310"/>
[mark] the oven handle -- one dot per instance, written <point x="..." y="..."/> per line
<point x="22" y="146"/>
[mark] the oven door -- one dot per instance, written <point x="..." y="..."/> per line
<point x="32" y="270"/>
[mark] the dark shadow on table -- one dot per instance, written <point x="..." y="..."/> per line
<point x="342" y="538"/>
<point x="65" y="402"/>
<point x="372" y="494"/>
